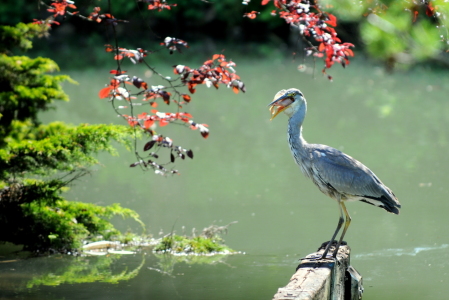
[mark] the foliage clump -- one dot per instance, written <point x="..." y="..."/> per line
<point x="208" y="242"/>
<point x="38" y="162"/>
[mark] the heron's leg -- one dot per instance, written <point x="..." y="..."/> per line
<point x="347" y="222"/>
<point x="340" y="222"/>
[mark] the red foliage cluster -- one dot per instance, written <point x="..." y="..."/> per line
<point x="116" y="90"/>
<point x="95" y="15"/>
<point x="146" y="121"/>
<point x="430" y="9"/>
<point x="213" y="72"/>
<point x="316" y="24"/>
<point x="113" y="90"/>
<point x="158" y="4"/>
<point x="136" y="56"/>
<point x="427" y="6"/>
<point x="105" y="18"/>
<point x="47" y="22"/>
<point x="173" y="44"/>
<point x="157" y="92"/>
<point x="58" y="7"/>
<point x="252" y="15"/>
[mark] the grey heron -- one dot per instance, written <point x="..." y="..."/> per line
<point x="335" y="173"/>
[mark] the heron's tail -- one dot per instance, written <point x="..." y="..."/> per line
<point x="391" y="204"/>
<point x="388" y="202"/>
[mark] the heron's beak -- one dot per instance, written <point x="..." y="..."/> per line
<point x="279" y="104"/>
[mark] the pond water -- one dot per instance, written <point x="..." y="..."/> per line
<point x="396" y="124"/>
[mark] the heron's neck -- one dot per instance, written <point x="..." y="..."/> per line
<point x="295" y="138"/>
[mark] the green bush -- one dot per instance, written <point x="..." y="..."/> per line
<point x="37" y="161"/>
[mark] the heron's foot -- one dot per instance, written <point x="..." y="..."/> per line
<point x="333" y="245"/>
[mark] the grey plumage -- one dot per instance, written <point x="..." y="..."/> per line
<point x="335" y="173"/>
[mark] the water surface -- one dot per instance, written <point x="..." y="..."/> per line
<point x="395" y="124"/>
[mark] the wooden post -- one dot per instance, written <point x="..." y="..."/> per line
<point x="324" y="279"/>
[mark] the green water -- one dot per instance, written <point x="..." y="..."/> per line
<point x="395" y="124"/>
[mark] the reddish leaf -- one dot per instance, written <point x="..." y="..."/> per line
<point x="321" y="47"/>
<point x="142" y="116"/>
<point x="186" y="98"/>
<point x="415" y="16"/>
<point x="116" y="72"/>
<point x="251" y="15"/>
<point x="105" y="92"/>
<point x="430" y="9"/>
<point x="148" y="123"/>
<point x="332" y="20"/>
<point x="132" y="122"/>
<point x="191" y="87"/>
<point x="109" y="48"/>
<point x="209" y="62"/>
<point x="349" y="52"/>
<point x="163" y="122"/>
<point x="278" y="4"/>
<point x="216" y="56"/>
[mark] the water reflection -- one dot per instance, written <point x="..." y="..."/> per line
<point x="65" y="269"/>
<point x="166" y="262"/>
<point x="22" y="277"/>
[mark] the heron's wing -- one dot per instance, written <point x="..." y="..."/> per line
<point x="345" y="174"/>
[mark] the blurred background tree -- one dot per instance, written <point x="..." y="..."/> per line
<point x="404" y="32"/>
<point x="396" y="32"/>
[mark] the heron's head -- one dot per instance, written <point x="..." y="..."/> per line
<point x="287" y="101"/>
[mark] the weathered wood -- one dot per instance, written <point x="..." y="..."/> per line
<point x="325" y="279"/>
